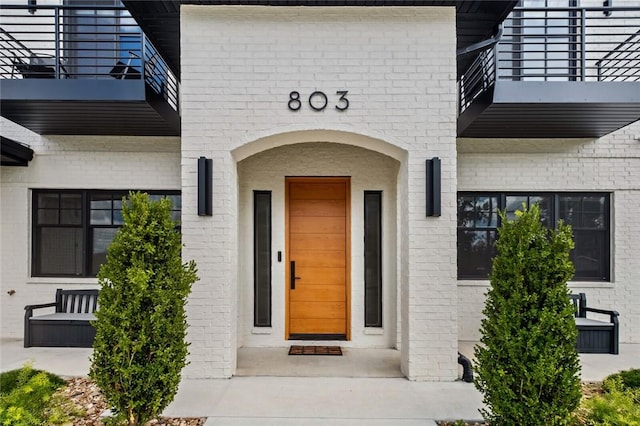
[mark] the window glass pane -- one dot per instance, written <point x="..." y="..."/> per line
<point x="71" y="201"/>
<point x="570" y="210"/>
<point x="175" y="215"/>
<point x="486" y="210"/>
<point x="176" y="202"/>
<point x="545" y="208"/>
<point x="71" y="217"/>
<point x="475" y="251"/>
<point x="588" y="256"/>
<point x="593" y="212"/>
<point x="373" y="259"/>
<point x="47" y="217"/>
<point x="100" y="217"/>
<point x="262" y="258"/>
<point x="48" y="201"/>
<point x="117" y="202"/>
<point x="102" y="238"/>
<point x="514" y="203"/>
<point x="59" y="251"/>
<point x="117" y="217"/>
<point x="101" y="201"/>
<point x="466" y="214"/>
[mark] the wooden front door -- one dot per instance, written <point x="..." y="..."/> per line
<point x="317" y="232"/>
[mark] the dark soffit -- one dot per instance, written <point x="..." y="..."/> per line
<point x="14" y="153"/>
<point x="476" y="20"/>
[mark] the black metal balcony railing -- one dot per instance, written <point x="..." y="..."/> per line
<point x="558" y="44"/>
<point x="80" y="42"/>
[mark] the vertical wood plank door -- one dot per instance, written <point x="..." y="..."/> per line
<point x="318" y="255"/>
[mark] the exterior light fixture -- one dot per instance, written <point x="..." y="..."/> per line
<point x="433" y="187"/>
<point x="205" y="183"/>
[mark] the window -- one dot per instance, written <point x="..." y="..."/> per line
<point x="73" y="228"/>
<point x="587" y="213"/>
<point x="373" y="258"/>
<point x="262" y="258"/>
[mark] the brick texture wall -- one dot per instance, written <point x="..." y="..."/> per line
<point x="609" y="164"/>
<point x="239" y="65"/>
<point x="67" y="162"/>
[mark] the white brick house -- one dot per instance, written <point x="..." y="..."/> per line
<point x="346" y="104"/>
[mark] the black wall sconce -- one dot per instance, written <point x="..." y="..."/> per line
<point x="433" y="192"/>
<point x="205" y="183"/>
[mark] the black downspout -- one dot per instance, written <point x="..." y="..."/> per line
<point x="467" y="372"/>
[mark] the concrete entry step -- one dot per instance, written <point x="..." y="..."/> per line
<point x="354" y="362"/>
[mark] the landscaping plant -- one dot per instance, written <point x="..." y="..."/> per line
<point x="527" y="365"/>
<point x="619" y="405"/>
<point x="140" y="348"/>
<point x="28" y="398"/>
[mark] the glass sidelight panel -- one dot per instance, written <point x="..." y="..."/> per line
<point x="373" y="258"/>
<point x="262" y="258"/>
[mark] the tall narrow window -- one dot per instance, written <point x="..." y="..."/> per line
<point x="373" y="258"/>
<point x="477" y="232"/>
<point x="262" y="258"/>
<point x="588" y="214"/>
<point x="58" y="234"/>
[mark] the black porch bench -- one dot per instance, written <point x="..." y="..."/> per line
<point x="594" y="335"/>
<point x="69" y="326"/>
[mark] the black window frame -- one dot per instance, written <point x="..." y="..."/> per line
<point x="88" y="229"/>
<point x="553" y="210"/>
<point x="373" y="289"/>
<point x="262" y="251"/>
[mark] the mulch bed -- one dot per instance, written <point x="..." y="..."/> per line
<point x="84" y="393"/>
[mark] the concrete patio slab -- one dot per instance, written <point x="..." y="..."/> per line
<point x="271" y="388"/>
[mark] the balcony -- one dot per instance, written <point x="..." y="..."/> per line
<point x="74" y="70"/>
<point x="555" y="73"/>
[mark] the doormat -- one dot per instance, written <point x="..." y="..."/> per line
<point x="315" y="350"/>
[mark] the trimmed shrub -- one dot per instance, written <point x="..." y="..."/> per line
<point x="140" y="347"/>
<point x="527" y="364"/>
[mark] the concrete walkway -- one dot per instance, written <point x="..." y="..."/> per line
<point x="270" y="388"/>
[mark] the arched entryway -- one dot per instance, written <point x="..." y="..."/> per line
<point x="316" y="203"/>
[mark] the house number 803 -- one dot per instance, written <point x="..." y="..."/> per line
<point x="318" y="101"/>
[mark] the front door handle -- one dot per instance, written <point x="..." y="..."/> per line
<point x="292" y="273"/>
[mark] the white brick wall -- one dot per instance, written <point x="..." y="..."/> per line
<point x="239" y="65"/>
<point x="368" y="171"/>
<point x="609" y="164"/>
<point x="72" y="162"/>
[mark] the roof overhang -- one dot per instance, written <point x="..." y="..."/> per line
<point x="551" y="109"/>
<point x="14" y="153"/>
<point x="476" y="20"/>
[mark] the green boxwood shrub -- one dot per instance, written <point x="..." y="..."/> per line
<point x="140" y="347"/>
<point x="527" y="364"/>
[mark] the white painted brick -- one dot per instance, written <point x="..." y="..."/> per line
<point x="609" y="164"/>
<point x="399" y="67"/>
<point x="72" y="162"/>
